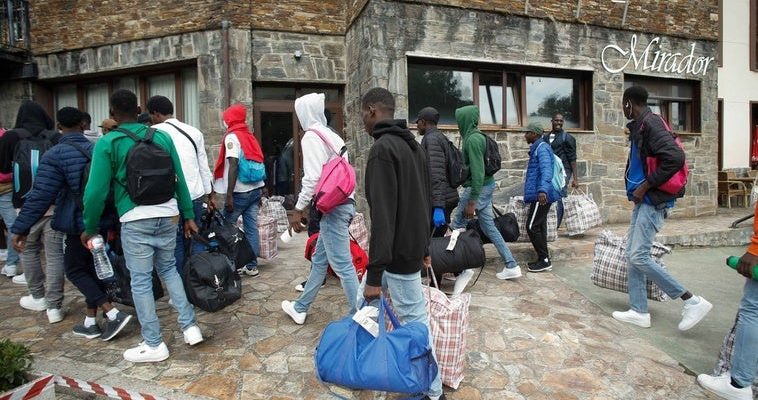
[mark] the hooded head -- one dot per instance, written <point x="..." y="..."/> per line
<point x="468" y="120"/>
<point x="310" y="110"/>
<point x="32" y="117"/>
<point x="235" y="118"/>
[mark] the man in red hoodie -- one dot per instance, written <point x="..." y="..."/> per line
<point x="242" y="198"/>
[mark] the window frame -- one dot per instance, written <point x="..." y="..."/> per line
<point x="520" y="72"/>
<point x="694" y="104"/>
<point x="754" y="35"/>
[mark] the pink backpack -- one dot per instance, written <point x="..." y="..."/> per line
<point x="337" y="180"/>
<point x="677" y="182"/>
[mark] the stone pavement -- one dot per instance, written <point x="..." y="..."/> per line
<point x="534" y="338"/>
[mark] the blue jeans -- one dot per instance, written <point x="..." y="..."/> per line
<point x="247" y="204"/>
<point x="8" y="214"/>
<point x="745" y="354"/>
<point x="150" y="243"/>
<point x="179" y="252"/>
<point x="646" y="222"/>
<point x="409" y="304"/>
<point x="332" y="248"/>
<point x="486" y="221"/>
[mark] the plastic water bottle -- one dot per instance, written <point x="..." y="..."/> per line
<point x="103" y="267"/>
<point x="732" y="261"/>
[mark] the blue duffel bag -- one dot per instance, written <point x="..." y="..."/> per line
<point x="397" y="361"/>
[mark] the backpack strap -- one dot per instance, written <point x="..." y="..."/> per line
<point x="81" y="150"/>
<point x="328" y="143"/>
<point x="185" y="135"/>
<point x="128" y="133"/>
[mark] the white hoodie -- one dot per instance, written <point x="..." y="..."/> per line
<point x="316" y="153"/>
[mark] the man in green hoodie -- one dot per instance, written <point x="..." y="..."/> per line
<point x="477" y="195"/>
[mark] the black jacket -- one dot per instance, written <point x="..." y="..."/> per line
<point x="654" y="140"/>
<point x="564" y="146"/>
<point x="435" y="144"/>
<point x="397" y="190"/>
<point x="31" y="117"/>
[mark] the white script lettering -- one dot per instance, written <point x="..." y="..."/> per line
<point x="662" y="61"/>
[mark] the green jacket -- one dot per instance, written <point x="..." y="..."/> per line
<point x="474" y="146"/>
<point x="109" y="164"/>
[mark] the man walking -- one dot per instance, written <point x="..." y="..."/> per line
<point x="477" y="196"/>
<point x="649" y="138"/>
<point x="241" y="198"/>
<point x="148" y="230"/>
<point x="398" y="195"/>
<point x="539" y="193"/>
<point x="319" y="144"/>
<point x="564" y="146"/>
<point x="190" y="146"/>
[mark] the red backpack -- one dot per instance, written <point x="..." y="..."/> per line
<point x="360" y="259"/>
<point x="676" y="183"/>
<point x="337" y="180"/>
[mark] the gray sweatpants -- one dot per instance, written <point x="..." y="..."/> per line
<point x="46" y="283"/>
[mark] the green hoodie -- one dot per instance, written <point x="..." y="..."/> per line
<point x="474" y="146"/>
<point x="109" y="164"/>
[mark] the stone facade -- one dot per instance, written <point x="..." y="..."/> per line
<point x="377" y="52"/>
<point x="11" y="94"/>
<point x="322" y="57"/>
<point x="307" y="16"/>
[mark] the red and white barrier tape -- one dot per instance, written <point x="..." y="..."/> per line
<point x="103" y="390"/>
<point x="31" y="391"/>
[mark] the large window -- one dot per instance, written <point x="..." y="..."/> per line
<point x="507" y="96"/>
<point x="179" y="85"/>
<point x="676" y="100"/>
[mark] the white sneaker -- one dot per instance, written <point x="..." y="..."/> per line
<point x="633" y="317"/>
<point x="55" y="315"/>
<point x="9" y="270"/>
<point x="692" y="314"/>
<point x="463" y="279"/>
<point x="192" y="335"/>
<point x="19" y="279"/>
<point x="145" y="353"/>
<point x="30" y="303"/>
<point x="3" y="254"/>
<point x="722" y="387"/>
<point x="289" y="308"/>
<point x="509" y="273"/>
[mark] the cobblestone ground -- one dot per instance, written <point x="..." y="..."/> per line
<point x="534" y="338"/>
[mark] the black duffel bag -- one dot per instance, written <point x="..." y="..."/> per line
<point x="505" y="223"/>
<point x="211" y="281"/>
<point x="467" y="253"/>
<point x="119" y="288"/>
<point x="230" y="239"/>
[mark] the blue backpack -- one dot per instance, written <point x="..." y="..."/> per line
<point x="559" y="173"/>
<point x="251" y="171"/>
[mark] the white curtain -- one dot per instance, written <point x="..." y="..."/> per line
<point x="97" y="102"/>
<point x="66" y="97"/>
<point x="190" y="101"/>
<point x="162" y="85"/>
<point x="128" y="83"/>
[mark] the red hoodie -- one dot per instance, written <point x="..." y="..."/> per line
<point x="234" y="117"/>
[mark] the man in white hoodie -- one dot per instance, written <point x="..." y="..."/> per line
<point x="333" y="245"/>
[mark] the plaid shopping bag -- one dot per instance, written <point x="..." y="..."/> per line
<point x="448" y="321"/>
<point x="267" y="235"/>
<point x="609" y="267"/>
<point x="580" y="212"/>
<point x="517" y="206"/>
<point x="724" y="364"/>
<point x="358" y="230"/>
<point x="273" y="207"/>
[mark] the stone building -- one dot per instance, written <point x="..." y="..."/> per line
<point x="520" y="61"/>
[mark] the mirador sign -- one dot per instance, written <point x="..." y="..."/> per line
<point x="652" y="58"/>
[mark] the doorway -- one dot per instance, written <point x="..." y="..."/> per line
<point x="753" y="132"/>
<point x="278" y="131"/>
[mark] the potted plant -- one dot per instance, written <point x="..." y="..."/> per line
<point x="15" y="366"/>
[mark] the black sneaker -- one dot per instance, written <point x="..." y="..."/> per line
<point x="540" y="266"/>
<point x="531" y="264"/>
<point x="112" y="328"/>
<point x="443" y="397"/>
<point x="89" y="333"/>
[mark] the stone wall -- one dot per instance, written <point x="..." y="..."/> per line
<point x="382" y="46"/>
<point x="322" y="57"/>
<point x="685" y="18"/>
<point x="203" y="49"/>
<point x="307" y="16"/>
<point x="12" y="93"/>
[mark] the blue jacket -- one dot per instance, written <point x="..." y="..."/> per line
<point x="59" y="174"/>
<point x="539" y="173"/>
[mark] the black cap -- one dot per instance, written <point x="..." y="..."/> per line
<point x="428" y="114"/>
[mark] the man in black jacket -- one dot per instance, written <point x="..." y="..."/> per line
<point x="649" y="138"/>
<point x="434" y="142"/>
<point x="564" y="146"/>
<point x="397" y="190"/>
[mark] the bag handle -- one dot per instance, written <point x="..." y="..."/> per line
<point x="328" y="143"/>
<point x="385" y="309"/>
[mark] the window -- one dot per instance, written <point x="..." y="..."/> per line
<point x="93" y="95"/>
<point x="507" y="96"/>
<point x="754" y="35"/>
<point x="676" y="100"/>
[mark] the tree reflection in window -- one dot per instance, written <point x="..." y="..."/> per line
<point x="442" y="88"/>
<point x="547" y="96"/>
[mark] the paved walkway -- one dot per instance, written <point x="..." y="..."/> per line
<point x="535" y="338"/>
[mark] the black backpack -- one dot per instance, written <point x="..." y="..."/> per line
<point x="26" y="157"/>
<point x="210" y="281"/>
<point x="492" y="160"/>
<point x="457" y="170"/>
<point x="150" y="174"/>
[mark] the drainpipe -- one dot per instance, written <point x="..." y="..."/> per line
<point x="225" y="72"/>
